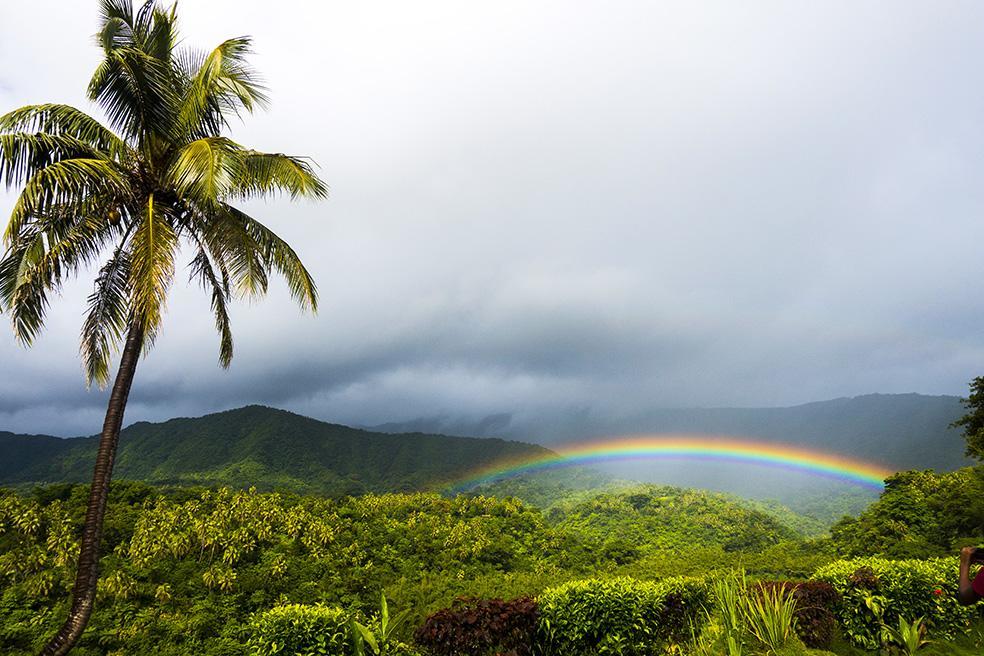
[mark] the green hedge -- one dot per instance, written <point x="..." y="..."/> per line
<point x="620" y="616"/>
<point x="299" y="629"/>
<point x="911" y="589"/>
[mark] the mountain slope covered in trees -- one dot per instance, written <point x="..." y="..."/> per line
<point x="264" y="447"/>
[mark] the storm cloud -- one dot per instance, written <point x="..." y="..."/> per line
<point x="556" y="211"/>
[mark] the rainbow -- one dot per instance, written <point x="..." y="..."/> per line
<point x="674" y="447"/>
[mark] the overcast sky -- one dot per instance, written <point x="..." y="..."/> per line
<point x="569" y="209"/>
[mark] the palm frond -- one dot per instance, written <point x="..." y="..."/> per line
<point x="264" y="173"/>
<point x="66" y="186"/>
<point x="152" y="250"/>
<point x="26" y="299"/>
<point x="137" y="92"/>
<point x="64" y="120"/>
<point x="277" y="255"/>
<point x="204" y="170"/>
<point x="152" y="29"/>
<point x="22" y="154"/>
<point x="161" y="33"/>
<point x="106" y="321"/>
<point x="232" y="245"/>
<point x="202" y="269"/>
<point x="116" y="24"/>
<point x="39" y="261"/>
<point x="221" y="84"/>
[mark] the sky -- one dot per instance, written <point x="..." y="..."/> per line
<point x="545" y="211"/>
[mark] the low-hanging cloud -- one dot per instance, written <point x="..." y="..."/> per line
<point x="569" y="214"/>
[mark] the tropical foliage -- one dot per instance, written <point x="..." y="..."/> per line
<point x="876" y="593"/>
<point x="186" y="570"/>
<point x="972" y="423"/>
<point x="189" y="569"/>
<point x="920" y="514"/>
<point x="816" y="608"/>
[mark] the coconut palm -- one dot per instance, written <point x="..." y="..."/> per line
<point x="160" y="178"/>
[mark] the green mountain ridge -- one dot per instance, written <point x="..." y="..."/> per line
<point x="261" y="446"/>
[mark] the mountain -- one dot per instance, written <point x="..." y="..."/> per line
<point x="278" y="449"/>
<point x="261" y="446"/>
<point x="899" y="431"/>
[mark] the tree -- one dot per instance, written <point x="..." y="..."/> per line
<point x="160" y="177"/>
<point x="973" y="422"/>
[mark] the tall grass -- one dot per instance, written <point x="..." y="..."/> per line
<point x="744" y="617"/>
<point x="770" y="617"/>
<point x="731" y="592"/>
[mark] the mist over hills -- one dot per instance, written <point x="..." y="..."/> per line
<point x="899" y="431"/>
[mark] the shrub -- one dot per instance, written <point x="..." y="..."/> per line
<point x="684" y="601"/>
<point x="816" y="610"/>
<point x="620" y="616"/>
<point x="299" y="629"/>
<point x="478" y="627"/>
<point x="908" y="588"/>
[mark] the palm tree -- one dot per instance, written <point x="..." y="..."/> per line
<point x="161" y="177"/>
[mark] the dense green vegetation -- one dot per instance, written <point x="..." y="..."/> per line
<point x="920" y="514"/>
<point x="262" y="447"/>
<point x="877" y="591"/>
<point x="191" y="571"/>
<point x="648" y="518"/>
<point x="188" y="568"/>
<point x="185" y="570"/>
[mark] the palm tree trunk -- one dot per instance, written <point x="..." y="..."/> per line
<point x="84" y="593"/>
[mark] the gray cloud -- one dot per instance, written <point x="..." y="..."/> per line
<point x="571" y="212"/>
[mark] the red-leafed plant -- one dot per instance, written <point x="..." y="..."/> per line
<point x="481" y="627"/>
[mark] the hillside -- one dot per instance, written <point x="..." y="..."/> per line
<point x="260" y="446"/>
<point x="920" y="514"/>
<point x="651" y="517"/>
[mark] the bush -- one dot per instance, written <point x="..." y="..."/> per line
<point x="906" y="588"/>
<point x="620" y="616"/>
<point x="480" y="627"/>
<point x="816" y="609"/>
<point x="299" y="629"/>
